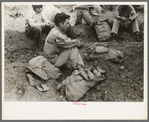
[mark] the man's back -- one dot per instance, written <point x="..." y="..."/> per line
<point x="50" y="11"/>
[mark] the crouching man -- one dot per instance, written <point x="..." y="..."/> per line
<point x="36" y="24"/>
<point x="58" y="48"/>
<point x="125" y="15"/>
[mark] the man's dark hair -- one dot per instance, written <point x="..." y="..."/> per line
<point x="36" y="6"/>
<point x="60" y="18"/>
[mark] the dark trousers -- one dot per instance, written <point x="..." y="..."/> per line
<point x="36" y="33"/>
<point x="118" y="23"/>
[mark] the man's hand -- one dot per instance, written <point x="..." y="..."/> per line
<point x="124" y="19"/>
<point x="51" y="24"/>
<point x="131" y="18"/>
<point x="80" y="44"/>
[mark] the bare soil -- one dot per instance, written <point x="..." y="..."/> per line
<point x="120" y="84"/>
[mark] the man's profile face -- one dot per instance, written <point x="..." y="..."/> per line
<point x="66" y="24"/>
<point x="38" y="10"/>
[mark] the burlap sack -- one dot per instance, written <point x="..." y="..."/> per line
<point x="43" y="68"/>
<point x="75" y="86"/>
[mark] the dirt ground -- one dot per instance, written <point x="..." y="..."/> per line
<point x="120" y="85"/>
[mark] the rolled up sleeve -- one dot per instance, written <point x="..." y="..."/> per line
<point x="63" y="41"/>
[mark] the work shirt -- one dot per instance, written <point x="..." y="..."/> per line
<point x="34" y="19"/>
<point x="129" y="10"/>
<point x="55" y="43"/>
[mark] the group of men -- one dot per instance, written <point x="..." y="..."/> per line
<point x="60" y="46"/>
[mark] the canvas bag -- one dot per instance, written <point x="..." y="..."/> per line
<point x="99" y="50"/>
<point x="103" y="30"/>
<point x="43" y="68"/>
<point x="75" y="86"/>
<point x="101" y="26"/>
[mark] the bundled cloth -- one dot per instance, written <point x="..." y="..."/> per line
<point x="100" y="50"/>
<point x="81" y="80"/>
<point x="43" y="68"/>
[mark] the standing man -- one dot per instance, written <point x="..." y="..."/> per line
<point x="58" y="48"/>
<point x="36" y="24"/>
<point x="125" y="15"/>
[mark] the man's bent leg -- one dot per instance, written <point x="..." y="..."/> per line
<point x="63" y="57"/>
<point x="115" y="27"/>
<point x="38" y="35"/>
<point x="46" y="29"/>
<point x="79" y="17"/>
<point x="87" y="17"/>
<point x="35" y="33"/>
<point x="135" y="26"/>
<point x="75" y="57"/>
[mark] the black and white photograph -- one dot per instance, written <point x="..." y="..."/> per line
<point x="77" y="53"/>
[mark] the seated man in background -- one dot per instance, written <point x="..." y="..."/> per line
<point x="89" y="13"/>
<point x="125" y="15"/>
<point x="58" y="48"/>
<point x="36" y="24"/>
<point x="50" y="12"/>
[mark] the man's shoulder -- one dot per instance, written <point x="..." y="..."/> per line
<point x="30" y="12"/>
<point x="130" y="7"/>
<point x="53" y="31"/>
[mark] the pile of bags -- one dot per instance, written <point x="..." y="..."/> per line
<point x="102" y="51"/>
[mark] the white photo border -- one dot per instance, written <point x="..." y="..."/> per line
<point x="68" y="111"/>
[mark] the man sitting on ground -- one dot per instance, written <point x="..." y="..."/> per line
<point x="58" y="48"/>
<point x="89" y="13"/>
<point x="125" y="15"/>
<point x="36" y="24"/>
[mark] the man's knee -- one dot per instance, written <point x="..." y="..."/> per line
<point x="117" y="21"/>
<point x="79" y="13"/>
<point x="38" y="29"/>
<point x="75" y="49"/>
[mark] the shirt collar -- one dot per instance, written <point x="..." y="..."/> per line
<point x="59" y="29"/>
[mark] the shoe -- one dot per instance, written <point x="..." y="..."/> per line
<point x="113" y="37"/>
<point x="137" y="36"/>
<point x="59" y="86"/>
<point x="32" y="82"/>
